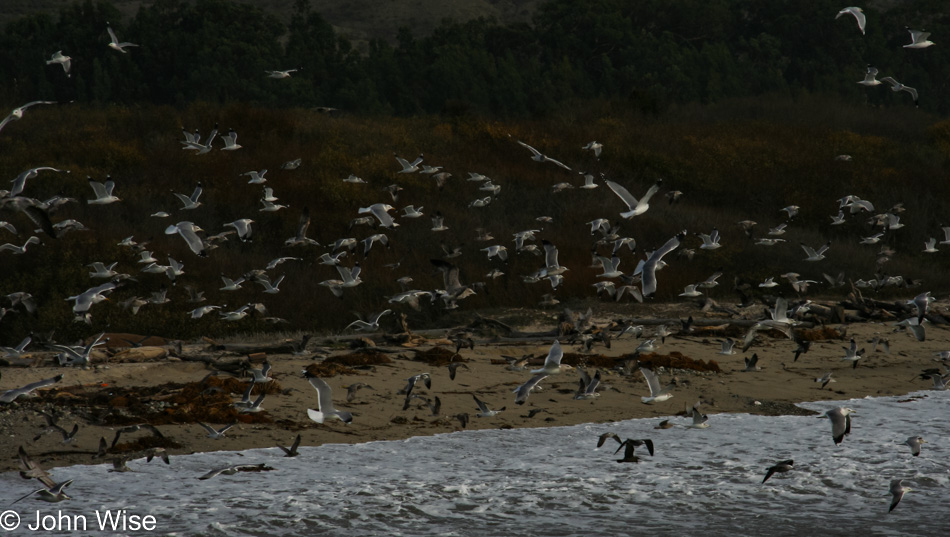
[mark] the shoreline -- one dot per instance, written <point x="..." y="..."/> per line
<point x="119" y="393"/>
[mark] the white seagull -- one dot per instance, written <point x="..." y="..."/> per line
<point x="59" y="58"/>
<point x="189" y="232"/>
<point x="537" y="156"/>
<point x="103" y="192"/>
<point x="918" y="39"/>
<point x="17" y="113"/>
<point x="840" y="422"/>
<point x="858" y="15"/>
<point x="635" y="207"/>
<point x="552" y="363"/>
<point x="657" y="394"/>
<point x="816" y="255"/>
<point x="280" y="74"/>
<point x="870" y="78"/>
<point x="114" y="43"/>
<point x="897" y="86"/>
<point x="325" y="409"/>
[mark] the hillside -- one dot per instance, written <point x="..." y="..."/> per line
<point x="357" y="20"/>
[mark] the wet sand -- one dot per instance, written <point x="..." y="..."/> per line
<point x="129" y="388"/>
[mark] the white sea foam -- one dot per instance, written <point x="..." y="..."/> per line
<point x="552" y="481"/>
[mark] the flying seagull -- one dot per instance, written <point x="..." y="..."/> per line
<point x="840" y="422"/>
<point x="858" y="15"/>
<point x="657" y="394"/>
<point x="9" y="395"/>
<point x="914" y="443"/>
<point x="325" y="407"/>
<point x="781" y="467"/>
<point x="897" y="86"/>
<point x="17" y="113"/>
<point x="292" y="450"/>
<point x="537" y="156"/>
<point x="114" y="43"/>
<point x="635" y="207"/>
<point x="897" y="492"/>
<point x="630" y="444"/>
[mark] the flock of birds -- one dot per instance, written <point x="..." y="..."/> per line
<point x="641" y="283"/>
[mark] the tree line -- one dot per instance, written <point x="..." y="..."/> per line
<point x="650" y="55"/>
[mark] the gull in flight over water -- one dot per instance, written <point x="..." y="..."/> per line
<point x="858" y="15"/>
<point x="840" y="422"/>
<point x="914" y="443"/>
<point x="897" y="492"/>
<point x="781" y="468"/>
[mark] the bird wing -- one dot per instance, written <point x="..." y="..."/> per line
<point x="622" y="193"/>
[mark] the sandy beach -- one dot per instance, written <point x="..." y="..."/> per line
<point x="152" y="385"/>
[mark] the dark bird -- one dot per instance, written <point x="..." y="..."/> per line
<point x="453" y="367"/>
<point x="134" y="428"/>
<point x="603" y="438"/>
<point x="781" y="468"/>
<point x="630" y="444"/>
<point x="292" y="450"/>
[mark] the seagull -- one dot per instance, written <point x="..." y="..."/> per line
<point x="371" y="325"/>
<point x="256" y="178"/>
<point x="589" y="183"/>
<point x="410" y="211"/>
<point x="700" y="420"/>
<point x="231" y="285"/>
<point x="525" y="389"/>
<point x="17" y="113"/>
<point x="634" y="207"/>
<point x="409" y="167"/>
<point x="587" y="386"/>
<point x="292" y="450"/>
<point x="216" y="433"/>
<point x="711" y="241"/>
<point x="59" y="58"/>
<point x="230" y="141"/>
<point x="16" y="352"/>
<point x="438" y="222"/>
<point x="20" y="182"/>
<point x="930" y="246"/>
<point x="897" y="492"/>
<point x="914" y="443"/>
<point x="727" y="346"/>
<point x="114" y="43"/>
<point x="483" y="410"/>
<point x="243" y="227"/>
<point x="690" y="291"/>
<point x="103" y="192"/>
<point x="657" y="394"/>
<point x="325" y="407"/>
<point x="609" y="267"/>
<point x="750" y="363"/>
<point x="921" y="303"/>
<point x="603" y="438"/>
<point x="768" y="283"/>
<point x="19" y="250"/>
<point x="870" y="78"/>
<point x="9" y="395"/>
<point x="781" y="467"/>
<point x="189" y="232"/>
<point x="280" y="74"/>
<point x="270" y="287"/>
<point x="649" y="266"/>
<point x="919" y="39"/>
<point x="815" y="255"/>
<point x="381" y="212"/>
<point x="858" y="15"/>
<point x="594" y="146"/>
<point x="300" y="237"/>
<point x="897" y="86"/>
<point x="538" y="157"/>
<point x="630" y="444"/>
<point x="291" y="164"/>
<point x="840" y="422"/>
<point x="552" y="363"/>
<point x="353" y="388"/>
<point x="235" y="315"/>
<point x="231" y="470"/>
<point x="825" y="379"/>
